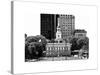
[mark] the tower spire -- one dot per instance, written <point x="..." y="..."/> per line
<point x="58" y="33"/>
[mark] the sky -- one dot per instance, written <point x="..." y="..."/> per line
<point x="29" y="13"/>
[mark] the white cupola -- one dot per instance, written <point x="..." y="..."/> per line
<point x="58" y="33"/>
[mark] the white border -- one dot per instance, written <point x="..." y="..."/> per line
<point x="21" y="67"/>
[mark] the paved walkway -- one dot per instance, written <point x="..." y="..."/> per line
<point x="55" y="59"/>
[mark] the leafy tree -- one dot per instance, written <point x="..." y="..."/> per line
<point x="74" y="44"/>
<point x="83" y="43"/>
<point x="34" y="46"/>
<point x="80" y="43"/>
<point x="42" y="38"/>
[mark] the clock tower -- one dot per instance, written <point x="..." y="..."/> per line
<point x="58" y="33"/>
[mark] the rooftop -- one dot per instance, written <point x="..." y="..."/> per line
<point x="80" y="31"/>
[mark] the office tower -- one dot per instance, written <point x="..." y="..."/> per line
<point x="48" y="25"/>
<point x="67" y="23"/>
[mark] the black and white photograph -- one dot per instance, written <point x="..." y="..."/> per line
<point x="59" y="40"/>
<point x="53" y="37"/>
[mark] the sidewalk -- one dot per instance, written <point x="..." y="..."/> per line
<point x="54" y="59"/>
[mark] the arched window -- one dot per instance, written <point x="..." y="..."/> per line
<point x="47" y="48"/>
<point x="59" y="48"/>
<point x="50" y="48"/>
<point x="63" y="48"/>
<point x="55" y="48"/>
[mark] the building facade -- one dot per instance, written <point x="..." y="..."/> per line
<point x="58" y="49"/>
<point x="80" y="33"/>
<point x="67" y="23"/>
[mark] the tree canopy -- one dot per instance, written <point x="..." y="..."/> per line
<point x="80" y="43"/>
<point x="34" y="46"/>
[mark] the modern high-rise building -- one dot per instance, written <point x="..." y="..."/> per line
<point x="48" y="25"/>
<point x="67" y="23"/>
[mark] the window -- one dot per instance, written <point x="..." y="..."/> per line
<point x="47" y="48"/>
<point x="80" y="34"/>
<point x="47" y="53"/>
<point x="50" y="48"/>
<point x="63" y="48"/>
<point x="58" y="48"/>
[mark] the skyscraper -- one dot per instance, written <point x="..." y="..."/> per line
<point x="48" y="25"/>
<point x="67" y="23"/>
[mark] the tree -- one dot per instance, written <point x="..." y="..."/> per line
<point x="74" y="44"/>
<point x="42" y="38"/>
<point x="25" y="35"/>
<point x="34" y="46"/>
<point x="83" y="43"/>
<point x="31" y="39"/>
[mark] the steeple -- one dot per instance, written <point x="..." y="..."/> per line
<point x="58" y="33"/>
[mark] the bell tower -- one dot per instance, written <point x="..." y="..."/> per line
<point x="58" y="33"/>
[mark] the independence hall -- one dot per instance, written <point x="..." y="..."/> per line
<point x="59" y="47"/>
